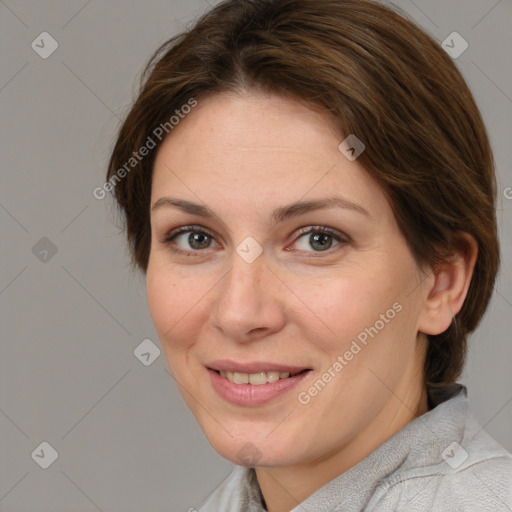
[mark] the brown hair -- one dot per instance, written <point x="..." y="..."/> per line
<point x="386" y="81"/>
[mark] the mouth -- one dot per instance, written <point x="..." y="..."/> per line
<point x="254" y="384"/>
<point x="258" y="378"/>
<point x="252" y="387"/>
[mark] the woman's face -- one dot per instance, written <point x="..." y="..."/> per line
<point x="253" y="284"/>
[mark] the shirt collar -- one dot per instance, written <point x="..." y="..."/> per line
<point x="416" y="446"/>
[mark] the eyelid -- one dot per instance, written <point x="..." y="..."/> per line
<point x="342" y="237"/>
<point x="185" y="229"/>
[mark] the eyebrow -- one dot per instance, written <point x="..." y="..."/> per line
<point x="279" y="215"/>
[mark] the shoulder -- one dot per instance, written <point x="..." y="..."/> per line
<point x="485" y="485"/>
<point x="477" y="478"/>
<point x="455" y="465"/>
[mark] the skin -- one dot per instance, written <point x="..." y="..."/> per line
<point x="244" y="155"/>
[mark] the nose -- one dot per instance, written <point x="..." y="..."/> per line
<point x="249" y="301"/>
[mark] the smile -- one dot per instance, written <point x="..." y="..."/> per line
<point x="253" y="384"/>
<point x="259" y="378"/>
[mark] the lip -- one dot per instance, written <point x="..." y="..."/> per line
<point x="228" y="365"/>
<point x="248" y="395"/>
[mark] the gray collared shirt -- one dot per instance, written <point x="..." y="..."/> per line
<point x="440" y="461"/>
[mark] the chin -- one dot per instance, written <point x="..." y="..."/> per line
<point x="255" y="451"/>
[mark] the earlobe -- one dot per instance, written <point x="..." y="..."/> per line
<point x="452" y="279"/>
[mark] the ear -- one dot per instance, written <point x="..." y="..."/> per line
<point x="452" y="278"/>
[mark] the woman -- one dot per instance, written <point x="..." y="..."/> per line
<point x="309" y="189"/>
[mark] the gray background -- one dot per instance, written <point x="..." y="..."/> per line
<point x="72" y="320"/>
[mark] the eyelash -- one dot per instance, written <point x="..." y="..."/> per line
<point x="338" y="236"/>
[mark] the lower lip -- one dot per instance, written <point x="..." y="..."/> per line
<point x="247" y="394"/>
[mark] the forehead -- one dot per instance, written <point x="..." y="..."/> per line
<point x="264" y="149"/>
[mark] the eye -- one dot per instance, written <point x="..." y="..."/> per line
<point x="320" y="239"/>
<point x="188" y="239"/>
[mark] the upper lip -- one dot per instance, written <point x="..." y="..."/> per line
<point x="253" y="367"/>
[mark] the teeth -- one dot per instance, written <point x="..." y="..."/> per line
<point x="256" y="379"/>
<point x="240" y="378"/>
<point x="273" y="376"/>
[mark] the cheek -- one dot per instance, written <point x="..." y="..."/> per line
<point x="343" y="304"/>
<point x="159" y="293"/>
<point x="365" y="311"/>
<point x="170" y="301"/>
